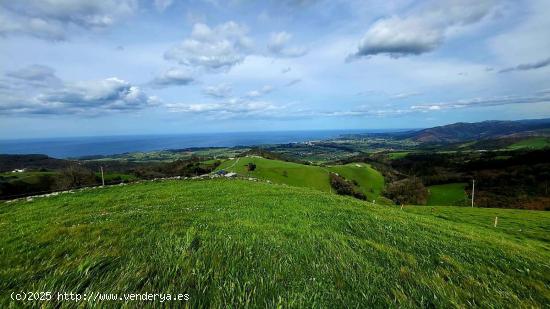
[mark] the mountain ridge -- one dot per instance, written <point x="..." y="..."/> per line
<point x="489" y="129"/>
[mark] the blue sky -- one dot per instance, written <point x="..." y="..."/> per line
<point x="75" y="67"/>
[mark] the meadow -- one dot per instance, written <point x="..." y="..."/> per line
<point x="238" y="243"/>
<point x="451" y="194"/>
<point x="368" y="180"/>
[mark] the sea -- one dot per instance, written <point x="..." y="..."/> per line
<point x="74" y="147"/>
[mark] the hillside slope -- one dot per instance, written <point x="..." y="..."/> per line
<point x="369" y="181"/>
<point x="234" y="243"/>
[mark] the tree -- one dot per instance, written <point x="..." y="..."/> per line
<point x="343" y="187"/>
<point x="251" y="166"/>
<point x="407" y="191"/>
<point x="75" y="176"/>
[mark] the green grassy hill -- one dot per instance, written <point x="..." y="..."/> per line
<point x="369" y="180"/>
<point x="236" y="243"/>
<point x="451" y="194"/>
<point x="289" y="173"/>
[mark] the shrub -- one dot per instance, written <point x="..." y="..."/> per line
<point x="75" y="176"/>
<point x="251" y="166"/>
<point x="407" y="191"/>
<point x="343" y="187"/>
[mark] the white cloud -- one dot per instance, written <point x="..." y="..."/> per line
<point x="421" y="31"/>
<point x="218" y="48"/>
<point x="260" y="92"/>
<point x="231" y="107"/>
<point x="228" y="109"/>
<point x="162" y="5"/>
<point x="405" y="95"/>
<point x="54" y="19"/>
<point x="173" y="77"/>
<point x="222" y="90"/>
<point x="277" y="46"/>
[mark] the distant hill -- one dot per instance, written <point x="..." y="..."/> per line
<point x="465" y="131"/>
<point x="30" y="161"/>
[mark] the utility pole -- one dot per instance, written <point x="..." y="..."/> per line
<point x="473" y="190"/>
<point x="102" y="178"/>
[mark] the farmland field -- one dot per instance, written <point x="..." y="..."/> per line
<point x="451" y="194"/>
<point x="532" y="143"/>
<point x="235" y="243"/>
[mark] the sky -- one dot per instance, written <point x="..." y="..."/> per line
<point x="127" y="67"/>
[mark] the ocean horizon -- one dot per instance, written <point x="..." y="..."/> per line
<point x="73" y="147"/>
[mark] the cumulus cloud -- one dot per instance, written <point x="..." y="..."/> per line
<point x="222" y="90"/>
<point x="422" y="30"/>
<point x="53" y="19"/>
<point x="528" y="66"/>
<point x="278" y="46"/>
<point x="57" y="97"/>
<point x="173" y="77"/>
<point x="110" y="94"/>
<point x="218" y="48"/>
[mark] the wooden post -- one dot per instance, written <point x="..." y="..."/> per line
<point x="102" y="178"/>
<point x="473" y="190"/>
<point x="401" y="206"/>
<point x="496" y="221"/>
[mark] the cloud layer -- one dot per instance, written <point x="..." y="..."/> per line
<point x="54" y="19"/>
<point x="54" y="96"/>
<point x="528" y="66"/>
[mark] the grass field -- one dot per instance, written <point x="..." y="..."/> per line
<point x="531" y="143"/>
<point x="451" y="194"/>
<point x="370" y="181"/>
<point x="235" y="243"/>
<point x="529" y="227"/>
<point x="281" y="172"/>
